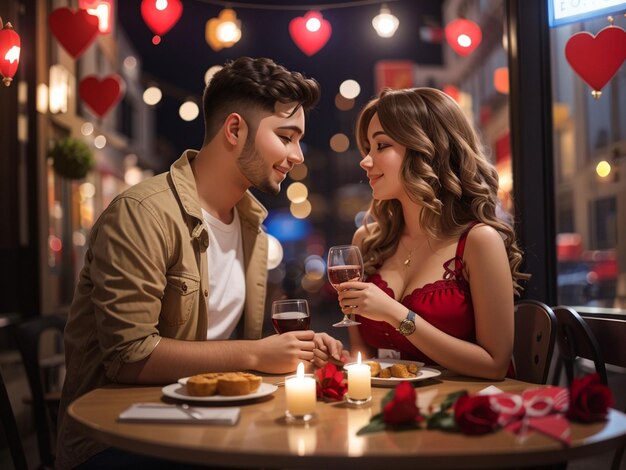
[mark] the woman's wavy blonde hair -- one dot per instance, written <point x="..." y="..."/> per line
<point x="444" y="170"/>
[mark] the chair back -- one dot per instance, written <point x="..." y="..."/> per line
<point x="9" y="426"/>
<point x="27" y="337"/>
<point x="575" y="339"/>
<point x="610" y="334"/>
<point x="535" y="333"/>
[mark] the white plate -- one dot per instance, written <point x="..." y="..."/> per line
<point x="423" y="373"/>
<point x="179" y="391"/>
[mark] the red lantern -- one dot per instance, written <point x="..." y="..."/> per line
<point x="9" y="52"/>
<point x="101" y="95"/>
<point x="161" y="16"/>
<point x="463" y="36"/>
<point x="597" y="58"/>
<point x="310" y="32"/>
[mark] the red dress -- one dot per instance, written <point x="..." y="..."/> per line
<point x="445" y="304"/>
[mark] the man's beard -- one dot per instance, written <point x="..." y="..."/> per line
<point x="252" y="167"/>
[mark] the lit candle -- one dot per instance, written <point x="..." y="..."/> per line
<point x="300" y="393"/>
<point x="359" y="382"/>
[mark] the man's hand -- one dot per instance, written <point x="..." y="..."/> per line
<point x="328" y="349"/>
<point x="279" y="354"/>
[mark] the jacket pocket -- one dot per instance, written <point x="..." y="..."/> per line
<point x="180" y="298"/>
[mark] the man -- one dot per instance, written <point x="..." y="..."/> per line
<point x="180" y="258"/>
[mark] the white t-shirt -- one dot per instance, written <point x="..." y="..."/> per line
<point x="227" y="283"/>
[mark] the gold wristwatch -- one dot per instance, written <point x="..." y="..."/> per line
<point x="407" y="326"/>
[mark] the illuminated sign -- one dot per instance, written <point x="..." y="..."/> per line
<point x="570" y="11"/>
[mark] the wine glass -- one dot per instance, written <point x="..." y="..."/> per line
<point x="290" y="315"/>
<point x="344" y="264"/>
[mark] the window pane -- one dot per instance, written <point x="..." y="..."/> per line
<point x="589" y="141"/>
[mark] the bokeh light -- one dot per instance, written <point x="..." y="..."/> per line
<point x="275" y="252"/>
<point x="359" y="218"/>
<point x="87" y="190"/>
<point x="152" y="95"/>
<point x="342" y="103"/>
<point x="208" y="75"/>
<point x="87" y="128"/>
<point x="300" y="210"/>
<point x="100" y="141"/>
<point x="339" y="143"/>
<point x="297" y="192"/>
<point x="349" y="89"/>
<point x="188" y="111"/>
<point x="315" y="266"/>
<point x="603" y="169"/>
<point x="130" y="62"/>
<point x="299" y="172"/>
<point x="133" y="175"/>
<point x="286" y="227"/>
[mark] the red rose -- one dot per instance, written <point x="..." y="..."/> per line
<point x="589" y="399"/>
<point x="330" y="383"/>
<point x="402" y="408"/>
<point x="474" y="414"/>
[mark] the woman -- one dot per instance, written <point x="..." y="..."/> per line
<point x="441" y="267"/>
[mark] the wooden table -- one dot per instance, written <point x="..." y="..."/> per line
<point x="263" y="439"/>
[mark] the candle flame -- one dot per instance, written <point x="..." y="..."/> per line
<point x="358" y="357"/>
<point x="300" y="371"/>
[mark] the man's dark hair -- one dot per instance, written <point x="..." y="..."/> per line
<point x="246" y="85"/>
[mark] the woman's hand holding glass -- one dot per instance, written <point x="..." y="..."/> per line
<point x="370" y="301"/>
<point x="344" y="264"/>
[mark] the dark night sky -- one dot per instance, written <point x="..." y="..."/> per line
<point x="183" y="56"/>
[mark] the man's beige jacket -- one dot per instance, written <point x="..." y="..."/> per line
<point x="145" y="277"/>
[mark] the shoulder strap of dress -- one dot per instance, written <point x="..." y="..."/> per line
<point x="460" y="247"/>
<point x="456" y="272"/>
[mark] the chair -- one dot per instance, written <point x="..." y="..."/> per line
<point x="45" y="405"/>
<point x="10" y="429"/>
<point x="535" y="333"/>
<point x="575" y="339"/>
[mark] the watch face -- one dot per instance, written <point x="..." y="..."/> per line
<point x="407" y="327"/>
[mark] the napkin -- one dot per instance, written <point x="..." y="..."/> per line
<point x="541" y="410"/>
<point x="164" y="413"/>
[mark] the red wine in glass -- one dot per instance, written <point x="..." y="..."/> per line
<point x="339" y="274"/>
<point x="290" y="321"/>
<point x="290" y="315"/>
<point x="344" y="264"/>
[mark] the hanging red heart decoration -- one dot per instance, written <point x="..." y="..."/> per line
<point x="75" y="31"/>
<point x="463" y="36"/>
<point x="310" y="32"/>
<point x="597" y="58"/>
<point x="101" y="95"/>
<point x="161" y="16"/>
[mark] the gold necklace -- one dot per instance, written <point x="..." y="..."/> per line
<point x="407" y="262"/>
